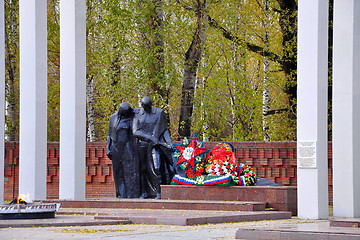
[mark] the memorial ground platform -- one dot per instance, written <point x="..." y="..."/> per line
<point x="169" y="212"/>
<point x="106" y="219"/>
<point x="184" y="212"/>
<point x="83" y="227"/>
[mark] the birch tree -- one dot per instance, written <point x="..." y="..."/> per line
<point x="286" y="12"/>
<point x="264" y="6"/>
<point x="12" y="69"/>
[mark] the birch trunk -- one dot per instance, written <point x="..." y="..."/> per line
<point x="266" y="97"/>
<point x="266" y="101"/>
<point x="91" y="136"/>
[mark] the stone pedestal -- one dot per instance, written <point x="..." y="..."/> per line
<point x="279" y="198"/>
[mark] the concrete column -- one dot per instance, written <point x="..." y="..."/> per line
<point x="72" y="99"/>
<point x="2" y="98"/>
<point x="346" y="109"/>
<point x="33" y="98"/>
<point x="312" y="169"/>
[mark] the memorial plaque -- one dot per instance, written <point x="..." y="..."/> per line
<point x="306" y="155"/>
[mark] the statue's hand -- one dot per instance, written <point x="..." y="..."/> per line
<point x="157" y="143"/>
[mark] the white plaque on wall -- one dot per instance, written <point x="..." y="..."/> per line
<point x="306" y="154"/>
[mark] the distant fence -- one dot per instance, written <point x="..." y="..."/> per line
<point x="275" y="161"/>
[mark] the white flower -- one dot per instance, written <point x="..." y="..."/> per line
<point x="188" y="152"/>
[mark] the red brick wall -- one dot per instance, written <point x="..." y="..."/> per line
<point x="11" y="170"/>
<point x="275" y="161"/>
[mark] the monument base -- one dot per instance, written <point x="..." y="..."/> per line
<point x="280" y="198"/>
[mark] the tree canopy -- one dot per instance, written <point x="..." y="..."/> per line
<point x="225" y="70"/>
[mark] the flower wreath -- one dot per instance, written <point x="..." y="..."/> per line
<point x="189" y="156"/>
<point x="247" y="176"/>
<point x="221" y="161"/>
<point x="220" y="167"/>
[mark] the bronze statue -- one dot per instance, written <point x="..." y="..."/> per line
<point x="154" y="148"/>
<point x="121" y="151"/>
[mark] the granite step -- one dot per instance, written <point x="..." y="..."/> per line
<point x="162" y="204"/>
<point x="345" y="222"/>
<point x="173" y="217"/>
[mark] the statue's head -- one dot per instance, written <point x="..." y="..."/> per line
<point x="125" y="109"/>
<point x="146" y="103"/>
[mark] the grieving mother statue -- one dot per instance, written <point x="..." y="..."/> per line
<point x="121" y="151"/>
<point x="154" y="148"/>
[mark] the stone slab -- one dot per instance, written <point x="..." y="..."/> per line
<point x="60" y="221"/>
<point x="111" y="216"/>
<point x="281" y="198"/>
<point x="310" y="231"/>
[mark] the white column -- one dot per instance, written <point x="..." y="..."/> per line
<point x="33" y="98"/>
<point x="312" y="168"/>
<point x="346" y="109"/>
<point x="2" y="99"/>
<point x="72" y="99"/>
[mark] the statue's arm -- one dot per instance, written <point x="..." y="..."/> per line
<point x="108" y="147"/>
<point x="109" y="140"/>
<point x="139" y="133"/>
<point x="144" y="136"/>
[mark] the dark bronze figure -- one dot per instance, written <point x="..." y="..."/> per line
<point x="121" y="151"/>
<point x="154" y="148"/>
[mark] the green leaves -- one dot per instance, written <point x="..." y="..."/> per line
<point x="137" y="48"/>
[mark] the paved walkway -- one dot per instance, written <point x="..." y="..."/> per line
<point x="147" y="232"/>
<point x="317" y="229"/>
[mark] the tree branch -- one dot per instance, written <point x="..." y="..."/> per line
<point x="249" y="46"/>
<point x="272" y="112"/>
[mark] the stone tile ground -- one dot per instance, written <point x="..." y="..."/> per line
<point x="144" y="231"/>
